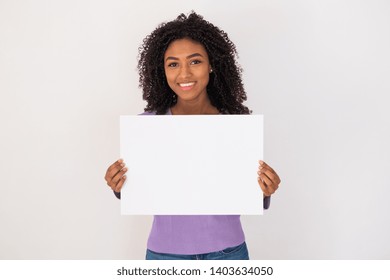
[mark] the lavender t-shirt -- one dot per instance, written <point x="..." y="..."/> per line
<point x="195" y="234"/>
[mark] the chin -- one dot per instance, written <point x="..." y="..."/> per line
<point x="187" y="96"/>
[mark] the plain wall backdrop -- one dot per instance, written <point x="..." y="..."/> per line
<point x="317" y="70"/>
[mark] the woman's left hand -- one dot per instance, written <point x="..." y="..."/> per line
<point x="267" y="178"/>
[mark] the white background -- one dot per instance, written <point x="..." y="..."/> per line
<point x="317" y="70"/>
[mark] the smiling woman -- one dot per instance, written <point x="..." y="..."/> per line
<point x="188" y="66"/>
<point x="178" y="40"/>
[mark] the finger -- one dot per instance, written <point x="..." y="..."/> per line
<point x="271" y="187"/>
<point x="112" y="178"/>
<point x="115" y="165"/>
<point x="263" y="164"/>
<point x="266" y="180"/>
<point x="263" y="187"/>
<point x="115" y="180"/>
<point x="271" y="175"/>
<point x="111" y="171"/>
<point x="265" y="168"/>
<point x="114" y="169"/>
<point x="120" y="184"/>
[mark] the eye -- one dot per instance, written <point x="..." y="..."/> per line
<point x="173" y="64"/>
<point x="196" y="61"/>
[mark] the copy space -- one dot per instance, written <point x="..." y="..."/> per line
<point x="191" y="165"/>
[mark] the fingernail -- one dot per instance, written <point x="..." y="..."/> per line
<point x="124" y="169"/>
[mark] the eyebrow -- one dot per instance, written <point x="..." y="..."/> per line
<point x="188" y="57"/>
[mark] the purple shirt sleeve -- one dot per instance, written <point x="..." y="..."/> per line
<point x="117" y="194"/>
<point x="266" y="202"/>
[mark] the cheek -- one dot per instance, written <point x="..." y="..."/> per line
<point x="205" y="73"/>
<point x="171" y="82"/>
<point x="169" y="77"/>
<point x="206" y="78"/>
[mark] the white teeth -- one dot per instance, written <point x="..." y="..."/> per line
<point x="187" y="84"/>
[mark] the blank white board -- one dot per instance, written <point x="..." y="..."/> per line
<point x="191" y="164"/>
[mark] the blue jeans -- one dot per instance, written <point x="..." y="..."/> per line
<point x="239" y="252"/>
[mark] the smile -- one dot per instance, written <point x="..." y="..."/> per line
<point x="186" y="86"/>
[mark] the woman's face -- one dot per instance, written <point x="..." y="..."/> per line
<point x="187" y="69"/>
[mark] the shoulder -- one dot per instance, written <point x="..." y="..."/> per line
<point x="146" y="113"/>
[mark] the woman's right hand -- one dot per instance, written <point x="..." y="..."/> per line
<point x="115" y="175"/>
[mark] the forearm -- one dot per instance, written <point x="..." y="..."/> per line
<point x="266" y="202"/>
<point x="117" y="194"/>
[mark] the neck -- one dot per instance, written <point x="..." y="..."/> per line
<point x="194" y="108"/>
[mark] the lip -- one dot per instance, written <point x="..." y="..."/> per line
<point x="186" y="86"/>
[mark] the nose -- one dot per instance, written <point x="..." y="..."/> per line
<point x="185" y="72"/>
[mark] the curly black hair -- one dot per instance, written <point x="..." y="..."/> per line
<point x="225" y="88"/>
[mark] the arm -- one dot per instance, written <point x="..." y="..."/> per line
<point x="117" y="194"/>
<point x="266" y="202"/>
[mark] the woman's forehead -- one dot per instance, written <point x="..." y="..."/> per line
<point x="183" y="47"/>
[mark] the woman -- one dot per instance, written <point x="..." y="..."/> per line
<point x="188" y="67"/>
